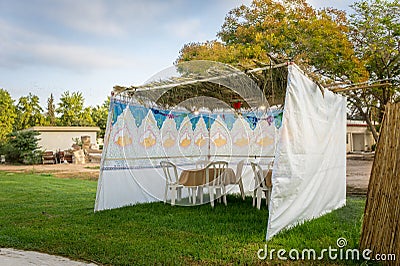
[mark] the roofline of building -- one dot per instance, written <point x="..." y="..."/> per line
<point x="63" y="129"/>
<point x="357" y="125"/>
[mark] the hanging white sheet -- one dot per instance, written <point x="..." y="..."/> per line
<point x="309" y="175"/>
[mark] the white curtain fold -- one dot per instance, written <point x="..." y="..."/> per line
<point x="309" y="175"/>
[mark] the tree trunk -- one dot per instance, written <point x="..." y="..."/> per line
<point x="358" y="104"/>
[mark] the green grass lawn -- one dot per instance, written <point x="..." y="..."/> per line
<point x="55" y="216"/>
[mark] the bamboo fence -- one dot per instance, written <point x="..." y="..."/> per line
<point x="381" y="225"/>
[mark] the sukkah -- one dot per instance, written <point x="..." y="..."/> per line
<point x="191" y="111"/>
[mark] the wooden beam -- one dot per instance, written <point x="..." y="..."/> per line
<point x="361" y="87"/>
<point x="267" y="67"/>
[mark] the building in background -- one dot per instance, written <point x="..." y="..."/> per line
<point x="62" y="138"/>
<point x="359" y="138"/>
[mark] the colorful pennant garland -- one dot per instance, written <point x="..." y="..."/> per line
<point x="139" y="112"/>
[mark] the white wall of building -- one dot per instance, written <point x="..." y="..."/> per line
<point x="61" y="138"/>
<point x="359" y="137"/>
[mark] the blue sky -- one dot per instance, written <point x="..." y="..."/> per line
<point x="50" y="46"/>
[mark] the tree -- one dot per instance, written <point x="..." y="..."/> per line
<point x="375" y="32"/>
<point x="364" y="48"/>
<point x="71" y="110"/>
<point x="288" y="30"/>
<point x="50" y="116"/>
<point x="85" y="118"/>
<point x="70" y="106"/>
<point x="23" y="147"/>
<point x="100" y="115"/>
<point x="233" y="54"/>
<point x="7" y="114"/>
<point x="29" y="112"/>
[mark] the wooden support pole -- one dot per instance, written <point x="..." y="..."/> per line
<point x="361" y="87"/>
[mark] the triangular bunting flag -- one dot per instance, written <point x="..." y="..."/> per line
<point x="209" y="119"/>
<point x="251" y="118"/>
<point x="229" y="120"/>
<point x="178" y="117"/>
<point x="117" y="108"/>
<point x="160" y="116"/>
<point x="139" y="113"/>
<point x="194" y="119"/>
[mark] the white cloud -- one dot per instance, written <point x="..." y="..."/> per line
<point x="72" y="56"/>
<point x="108" y="18"/>
<point x="85" y="16"/>
<point x="185" y="29"/>
<point x="20" y="47"/>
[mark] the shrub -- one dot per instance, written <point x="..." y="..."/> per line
<point x="22" y="147"/>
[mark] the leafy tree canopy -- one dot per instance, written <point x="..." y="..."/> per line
<point x="29" y="112"/>
<point x="72" y="111"/>
<point x="7" y="114"/>
<point x="234" y="54"/>
<point x="100" y="115"/>
<point x="287" y="30"/>
<point x="375" y="32"/>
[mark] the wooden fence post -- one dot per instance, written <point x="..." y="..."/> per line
<point x="381" y="225"/>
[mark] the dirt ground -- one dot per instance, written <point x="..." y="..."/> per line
<point x="81" y="171"/>
<point x="357" y="173"/>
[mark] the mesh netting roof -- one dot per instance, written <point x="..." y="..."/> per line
<point x="190" y="82"/>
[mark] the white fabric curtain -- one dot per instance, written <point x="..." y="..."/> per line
<point x="309" y="175"/>
<point x="139" y="137"/>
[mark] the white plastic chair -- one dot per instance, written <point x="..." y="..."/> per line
<point x="216" y="181"/>
<point x="200" y="164"/>
<point x="260" y="186"/>
<point x="171" y="181"/>
<point x="239" y="173"/>
<point x="3" y="159"/>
